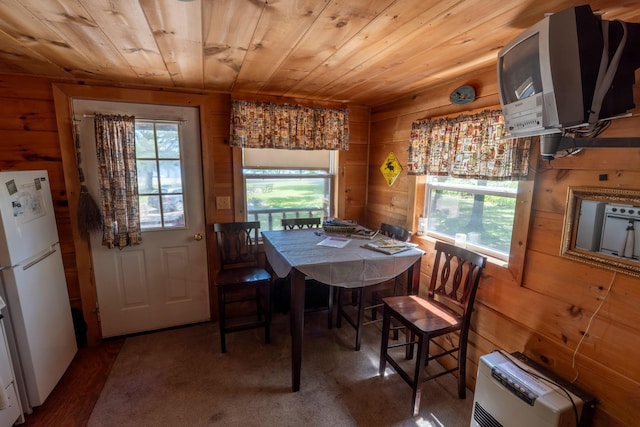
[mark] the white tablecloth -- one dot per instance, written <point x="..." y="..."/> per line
<point x="349" y="267"/>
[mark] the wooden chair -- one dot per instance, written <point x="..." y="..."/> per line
<point x="358" y="295"/>
<point x="292" y="223"/>
<point x="300" y="223"/>
<point x="240" y="270"/>
<point x="395" y="232"/>
<point x="446" y="310"/>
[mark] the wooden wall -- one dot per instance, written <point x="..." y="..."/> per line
<point x="352" y="168"/>
<point x="547" y="314"/>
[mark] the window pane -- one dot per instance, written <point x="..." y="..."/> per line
<point x="271" y="199"/>
<point x="145" y="141"/>
<point x="150" y="216"/>
<point x="172" y="203"/>
<point x="168" y="142"/>
<point x="170" y="176"/>
<point x="147" y="176"/>
<point x="481" y="210"/>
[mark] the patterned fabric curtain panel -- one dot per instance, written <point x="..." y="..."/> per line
<point x="116" y="152"/>
<point x="291" y="127"/>
<point x="468" y="146"/>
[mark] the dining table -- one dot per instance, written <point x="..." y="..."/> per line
<point x="333" y="260"/>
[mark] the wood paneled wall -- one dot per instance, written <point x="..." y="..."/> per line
<point x="352" y="168"/>
<point x="547" y="314"/>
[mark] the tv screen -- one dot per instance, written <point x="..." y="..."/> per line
<point x="521" y="70"/>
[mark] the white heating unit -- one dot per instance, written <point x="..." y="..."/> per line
<point x="512" y="391"/>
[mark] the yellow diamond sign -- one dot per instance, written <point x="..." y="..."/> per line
<point x="391" y="168"/>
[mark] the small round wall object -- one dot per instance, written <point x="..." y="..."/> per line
<point x="463" y="95"/>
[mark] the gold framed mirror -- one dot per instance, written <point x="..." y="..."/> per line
<point x="602" y="228"/>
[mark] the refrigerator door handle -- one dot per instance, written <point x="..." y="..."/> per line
<point x="40" y="258"/>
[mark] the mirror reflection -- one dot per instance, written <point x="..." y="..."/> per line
<point x="602" y="227"/>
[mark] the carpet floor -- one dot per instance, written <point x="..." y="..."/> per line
<point x="179" y="377"/>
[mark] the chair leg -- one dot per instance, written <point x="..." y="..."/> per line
<point x="375" y="299"/>
<point x="386" y="322"/>
<point x="267" y="314"/>
<point x="222" y="315"/>
<point x="339" y="309"/>
<point x="396" y="334"/>
<point x="330" y="307"/>
<point x="396" y="292"/>
<point x="359" y="318"/>
<point x="419" y="375"/>
<point x="410" y="347"/>
<point x="462" y="369"/>
<point x="258" y="305"/>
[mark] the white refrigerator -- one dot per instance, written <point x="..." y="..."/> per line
<point x="42" y="338"/>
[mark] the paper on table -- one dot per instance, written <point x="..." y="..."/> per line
<point x="389" y="246"/>
<point x="388" y="243"/>
<point x="335" y="242"/>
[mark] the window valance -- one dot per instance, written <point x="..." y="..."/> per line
<point x="468" y="146"/>
<point x="285" y="126"/>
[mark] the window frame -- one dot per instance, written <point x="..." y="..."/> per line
<point x="239" y="180"/>
<point x="475" y="190"/>
<point x="513" y="269"/>
<point x="163" y="214"/>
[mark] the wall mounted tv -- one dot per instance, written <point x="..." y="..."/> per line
<point x="547" y="75"/>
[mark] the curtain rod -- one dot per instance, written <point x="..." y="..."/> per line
<point x="91" y="116"/>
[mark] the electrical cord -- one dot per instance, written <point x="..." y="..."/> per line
<point x="586" y="131"/>
<point x="586" y="332"/>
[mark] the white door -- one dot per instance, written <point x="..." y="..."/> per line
<point x="162" y="282"/>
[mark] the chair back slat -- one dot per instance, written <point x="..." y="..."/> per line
<point x="456" y="274"/>
<point x="291" y="223"/>
<point x="395" y="232"/>
<point x="237" y="244"/>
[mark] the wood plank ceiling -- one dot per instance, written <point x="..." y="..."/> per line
<point x="363" y="51"/>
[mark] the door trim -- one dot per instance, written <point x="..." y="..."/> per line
<point x="209" y="106"/>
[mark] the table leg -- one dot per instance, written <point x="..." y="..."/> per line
<point x="297" y="326"/>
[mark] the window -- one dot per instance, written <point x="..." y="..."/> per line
<point x="287" y="184"/>
<point x="483" y="211"/>
<point x="159" y="175"/>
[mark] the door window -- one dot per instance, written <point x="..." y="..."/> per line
<point x="160" y="188"/>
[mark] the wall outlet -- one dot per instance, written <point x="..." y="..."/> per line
<point x="223" y="202"/>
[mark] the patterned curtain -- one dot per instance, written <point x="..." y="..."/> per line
<point x="468" y="146"/>
<point x="292" y="127"/>
<point x="116" y="152"/>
